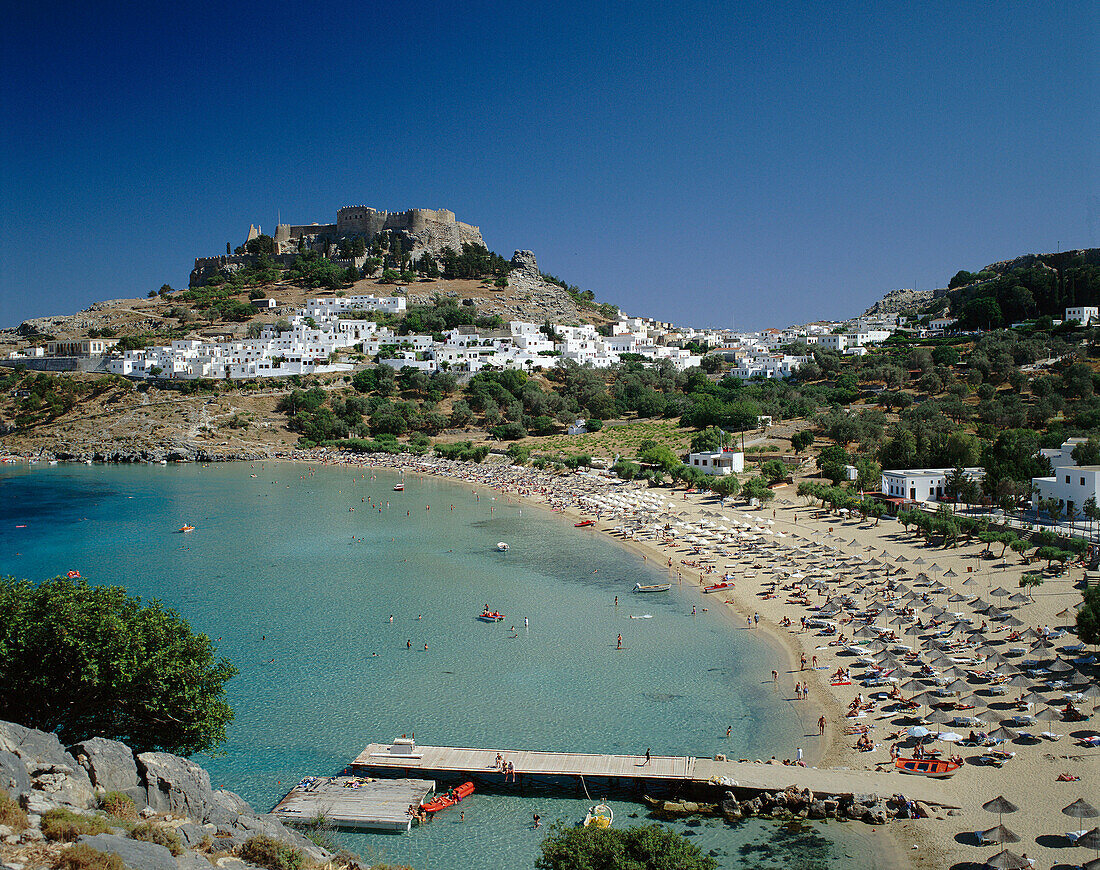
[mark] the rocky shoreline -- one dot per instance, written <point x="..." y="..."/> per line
<point x="793" y="803"/>
<point x="173" y="795"/>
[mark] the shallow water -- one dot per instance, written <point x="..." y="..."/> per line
<point x="296" y="576"/>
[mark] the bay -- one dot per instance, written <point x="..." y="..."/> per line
<point x="296" y="572"/>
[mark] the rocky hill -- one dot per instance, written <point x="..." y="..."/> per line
<point x="528" y="296"/>
<point x="152" y="810"/>
<point x="901" y="302"/>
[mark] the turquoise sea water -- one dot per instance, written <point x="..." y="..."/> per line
<point x="297" y="575"/>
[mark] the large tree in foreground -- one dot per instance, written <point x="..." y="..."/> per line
<point x="643" y="847"/>
<point x="91" y="661"/>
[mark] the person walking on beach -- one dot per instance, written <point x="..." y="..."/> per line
<point x="620" y="642"/>
<point x="802" y="662"/>
<point x="756" y="620"/>
<point x="814" y="663"/>
<point x="775" y="677"/>
<point x="821" y="726"/>
<point x="798" y="755"/>
<point x="647" y="755"/>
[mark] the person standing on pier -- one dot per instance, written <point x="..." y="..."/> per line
<point x="647" y="755"/>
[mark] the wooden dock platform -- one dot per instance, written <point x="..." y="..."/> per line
<point x="405" y="755"/>
<point x="354" y="803"/>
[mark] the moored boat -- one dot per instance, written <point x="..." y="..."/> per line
<point x="599" y="816"/>
<point x="187" y="529"/>
<point x="452" y="797"/>
<point x="717" y="587"/>
<point x="584" y="523"/>
<point x="398" y="487"/>
<point x="502" y="546"/>
<point x="926" y="766"/>
<point x="652" y="587"/>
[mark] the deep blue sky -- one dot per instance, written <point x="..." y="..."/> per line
<point x="753" y="163"/>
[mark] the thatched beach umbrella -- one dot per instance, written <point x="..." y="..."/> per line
<point x="1000" y="834"/>
<point x="1080" y="809"/>
<point x="1000" y="805"/>
<point x="1005" y="860"/>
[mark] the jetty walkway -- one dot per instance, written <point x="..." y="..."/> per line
<point x="403" y="755"/>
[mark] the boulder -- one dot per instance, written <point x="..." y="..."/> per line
<point x="192" y="861"/>
<point x="110" y="764"/>
<point x="876" y="814"/>
<point x="13" y="773"/>
<point x="176" y="785"/>
<point x="134" y="853"/>
<point x="831" y="807"/>
<point x="524" y="261"/>
<point x="817" y="809"/>
<point x="730" y="808"/>
<point x="192" y="835"/>
<point x="50" y="767"/>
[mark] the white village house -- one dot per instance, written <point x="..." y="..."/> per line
<point x="1071" y="485"/>
<point x="922" y="484"/>
<point x="717" y="462"/>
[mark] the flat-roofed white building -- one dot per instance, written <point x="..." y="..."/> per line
<point x="1084" y="315"/>
<point x="717" y="462"/>
<point x="922" y="484"/>
<point x="1070" y="485"/>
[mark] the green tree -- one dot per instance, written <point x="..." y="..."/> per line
<point x="725" y="485"/>
<point x="710" y="439"/>
<point x="652" y="847"/>
<point x="832" y="461"/>
<point x="1087" y="452"/>
<point x="1088" y="616"/>
<point x="757" y="487"/>
<point x="773" y="471"/>
<point x="1052" y="508"/>
<point x="1091" y="511"/>
<point x="801" y="440"/>
<point x="91" y="661"/>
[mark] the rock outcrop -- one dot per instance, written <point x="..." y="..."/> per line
<point x="43" y="775"/>
<point x="901" y="302"/>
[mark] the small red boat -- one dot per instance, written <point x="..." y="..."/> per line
<point x="584" y="523"/>
<point x="926" y="766"/>
<point x="717" y="587"/>
<point x="449" y="799"/>
<point x="490" y="616"/>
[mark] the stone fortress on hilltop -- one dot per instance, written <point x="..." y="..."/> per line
<point x="433" y="226"/>
<point x="422" y="229"/>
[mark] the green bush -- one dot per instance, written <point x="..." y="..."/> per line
<point x="11" y="814"/>
<point x="84" y="857"/>
<point x="270" y="853"/>
<point x="162" y="836"/>
<point x="64" y="826"/>
<point x="119" y="805"/>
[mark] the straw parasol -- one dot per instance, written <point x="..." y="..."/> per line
<point x="1080" y="809"/>
<point x="1000" y="805"/>
<point x="1005" y="860"/>
<point x="1000" y="834"/>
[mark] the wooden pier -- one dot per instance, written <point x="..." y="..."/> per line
<point x="444" y="761"/>
<point x="354" y="803"/>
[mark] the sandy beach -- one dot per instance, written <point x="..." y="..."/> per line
<point x="903" y="607"/>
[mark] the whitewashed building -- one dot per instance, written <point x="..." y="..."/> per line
<point x="717" y="462"/>
<point x="1083" y="315"/>
<point x="922" y="484"/>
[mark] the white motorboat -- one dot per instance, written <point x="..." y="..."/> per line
<point x="502" y="546"/>
<point x="653" y="587"/>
